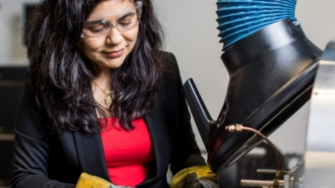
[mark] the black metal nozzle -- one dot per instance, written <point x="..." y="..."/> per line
<point x="199" y="111"/>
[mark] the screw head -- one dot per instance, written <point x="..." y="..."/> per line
<point x="296" y="23"/>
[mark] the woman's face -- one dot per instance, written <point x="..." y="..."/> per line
<point x="108" y="49"/>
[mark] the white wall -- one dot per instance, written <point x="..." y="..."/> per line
<point x="191" y="34"/>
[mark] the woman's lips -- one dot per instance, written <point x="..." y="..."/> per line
<point x="115" y="54"/>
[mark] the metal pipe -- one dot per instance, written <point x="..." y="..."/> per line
<point x="7" y="137"/>
<point x="240" y="128"/>
<point x="269" y="142"/>
<point x="261" y="183"/>
<point x="266" y="171"/>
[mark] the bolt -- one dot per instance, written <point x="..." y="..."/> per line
<point x="296" y="23"/>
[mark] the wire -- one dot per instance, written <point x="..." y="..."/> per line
<point x="239" y="128"/>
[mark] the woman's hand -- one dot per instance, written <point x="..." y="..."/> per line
<point x="89" y="181"/>
<point x="86" y="180"/>
<point x="195" y="177"/>
<point x="192" y="181"/>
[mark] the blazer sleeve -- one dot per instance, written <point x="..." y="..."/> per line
<point x="31" y="147"/>
<point x="186" y="152"/>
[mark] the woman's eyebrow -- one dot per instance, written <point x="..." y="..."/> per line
<point x="126" y="15"/>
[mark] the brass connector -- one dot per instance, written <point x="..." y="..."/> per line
<point x="278" y="183"/>
<point x="279" y="174"/>
<point x="234" y="128"/>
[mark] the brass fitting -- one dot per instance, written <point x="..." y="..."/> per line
<point x="279" y="174"/>
<point x="234" y="128"/>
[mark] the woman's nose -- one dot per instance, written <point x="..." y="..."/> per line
<point x="114" y="36"/>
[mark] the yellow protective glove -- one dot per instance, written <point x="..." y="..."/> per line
<point x="89" y="181"/>
<point x="195" y="177"/>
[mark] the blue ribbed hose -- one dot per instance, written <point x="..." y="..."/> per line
<point x="240" y="18"/>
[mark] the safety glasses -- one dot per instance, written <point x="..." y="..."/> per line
<point x="123" y="19"/>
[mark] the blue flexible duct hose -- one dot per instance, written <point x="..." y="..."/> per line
<point x="240" y="18"/>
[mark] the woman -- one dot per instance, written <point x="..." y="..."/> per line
<point x="100" y="98"/>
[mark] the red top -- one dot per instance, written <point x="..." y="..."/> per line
<point x="129" y="155"/>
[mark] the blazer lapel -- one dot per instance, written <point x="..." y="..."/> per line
<point x="159" y="133"/>
<point x="91" y="154"/>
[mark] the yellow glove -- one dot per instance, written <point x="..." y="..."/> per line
<point x="193" y="175"/>
<point x="86" y="180"/>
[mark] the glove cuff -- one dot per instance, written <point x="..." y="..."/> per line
<point x="201" y="172"/>
<point x="86" y="180"/>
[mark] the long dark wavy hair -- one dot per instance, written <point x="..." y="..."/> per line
<point x="63" y="76"/>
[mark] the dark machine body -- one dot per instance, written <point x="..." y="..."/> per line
<point x="11" y="88"/>
<point x="271" y="77"/>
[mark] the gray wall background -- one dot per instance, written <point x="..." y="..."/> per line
<point x="191" y="34"/>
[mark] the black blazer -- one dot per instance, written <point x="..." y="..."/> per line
<point x="44" y="160"/>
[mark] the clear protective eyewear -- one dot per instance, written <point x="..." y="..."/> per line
<point x="126" y="19"/>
